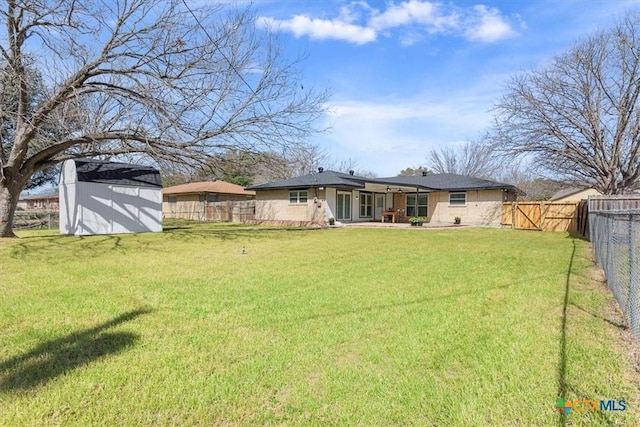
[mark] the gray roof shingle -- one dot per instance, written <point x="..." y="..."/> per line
<point x="117" y="173"/>
<point x="442" y="182"/>
<point x="321" y="179"/>
<point x="446" y="182"/>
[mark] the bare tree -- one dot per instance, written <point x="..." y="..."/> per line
<point x="245" y="168"/>
<point x="417" y="171"/>
<point x="474" y="158"/>
<point x="578" y="117"/>
<point x="526" y="178"/>
<point x="302" y="160"/>
<point x="148" y="78"/>
<point x="306" y="159"/>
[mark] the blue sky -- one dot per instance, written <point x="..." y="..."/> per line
<point x="407" y="76"/>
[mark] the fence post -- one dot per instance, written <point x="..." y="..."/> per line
<point x="607" y="265"/>
<point x="633" y="276"/>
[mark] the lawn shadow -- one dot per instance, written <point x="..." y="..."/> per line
<point x="563" y="385"/>
<point x="576" y="235"/>
<point x="562" y="362"/>
<point x="54" y="358"/>
<point x="90" y="246"/>
<point x="84" y="246"/>
<point x="601" y="317"/>
<point x="33" y="245"/>
<point x="175" y="227"/>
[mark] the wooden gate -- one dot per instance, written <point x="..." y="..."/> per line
<point x="544" y="216"/>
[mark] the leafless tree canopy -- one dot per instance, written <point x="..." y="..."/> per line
<point x="416" y="171"/>
<point x="142" y="77"/>
<point x="578" y="117"/>
<point x="247" y="169"/>
<point x="474" y="158"/>
<point x="306" y="159"/>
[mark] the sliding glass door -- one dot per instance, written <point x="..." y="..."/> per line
<point x="343" y="207"/>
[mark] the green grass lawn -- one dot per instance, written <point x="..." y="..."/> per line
<point x="341" y="326"/>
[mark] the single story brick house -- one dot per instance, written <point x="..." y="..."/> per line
<point x="45" y="200"/>
<point x="439" y="198"/>
<point x="205" y="201"/>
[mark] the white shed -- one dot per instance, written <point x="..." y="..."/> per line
<point x="98" y="197"/>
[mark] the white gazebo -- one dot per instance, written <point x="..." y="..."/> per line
<point x="98" y="197"/>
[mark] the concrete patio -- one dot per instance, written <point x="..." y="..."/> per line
<point x="378" y="224"/>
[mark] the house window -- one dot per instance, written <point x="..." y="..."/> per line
<point x="417" y="204"/>
<point x="211" y="198"/>
<point x="173" y="199"/>
<point x="458" y="199"/>
<point x="366" y="205"/>
<point x="298" y="197"/>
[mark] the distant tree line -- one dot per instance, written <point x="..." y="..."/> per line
<point x="247" y="168"/>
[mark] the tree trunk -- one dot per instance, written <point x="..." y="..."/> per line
<point x="9" y="195"/>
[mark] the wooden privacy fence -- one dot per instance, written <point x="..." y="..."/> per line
<point x="614" y="203"/>
<point x="543" y="216"/>
<point x="227" y="211"/>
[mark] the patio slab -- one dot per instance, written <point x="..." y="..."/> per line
<point x="378" y="224"/>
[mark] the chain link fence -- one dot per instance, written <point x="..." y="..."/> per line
<point x="35" y="219"/>
<point x="614" y="225"/>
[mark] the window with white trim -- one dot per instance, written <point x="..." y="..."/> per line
<point x="366" y="205"/>
<point x="458" y="198"/>
<point x="298" y="197"/>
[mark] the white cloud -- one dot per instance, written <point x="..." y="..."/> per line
<point x="411" y="38"/>
<point x="359" y="23"/>
<point x="322" y="29"/>
<point x="394" y="16"/>
<point x="428" y="14"/>
<point x="384" y="112"/>
<point x="388" y="135"/>
<point x="355" y="11"/>
<point x="488" y="25"/>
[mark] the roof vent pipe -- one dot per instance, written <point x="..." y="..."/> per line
<point x="351" y="172"/>
<point x="320" y="169"/>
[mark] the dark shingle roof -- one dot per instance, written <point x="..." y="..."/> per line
<point x="446" y="182"/>
<point x="321" y="179"/>
<point x="117" y="173"/>
<point x="442" y="182"/>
